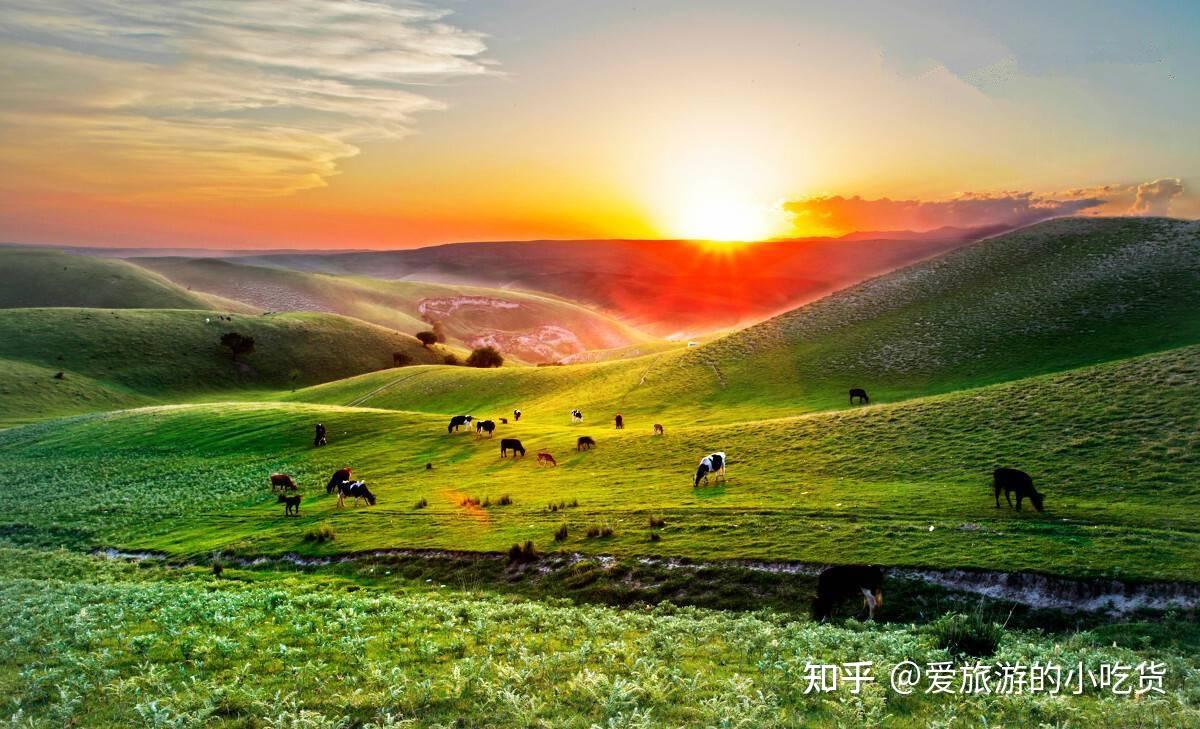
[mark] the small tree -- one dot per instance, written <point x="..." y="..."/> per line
<point x="427" y="339"/>
<point x="487" y="356"/>
<point x="452" y="360"/>
<point x="237" y="344"/>
<point x="400" y="359"/>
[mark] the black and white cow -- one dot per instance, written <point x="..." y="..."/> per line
<point x="516" y="416"/>
<point x="459" y="421"/>
<point x="356" y="490"/>
<point x="576" y="416"/>
<point x="710" y="464"/>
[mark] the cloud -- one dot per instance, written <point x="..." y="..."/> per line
<point x="1154" y="198"/>
<point x="838" y="214"/>
<point x="215" y="97"/>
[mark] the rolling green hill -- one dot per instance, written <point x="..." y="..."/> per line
<point x="36" y="277"/>
<point x="1058" y="295"/>
<point x="530" y="327"/>
<point x="1114" y="448"/>
<point x="119" y="357"/>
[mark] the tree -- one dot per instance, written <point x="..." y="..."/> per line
<point x="237" y="344"/>
<point x="452" y="360"/>
<point x="485" y="357"/>
<point x="427" y="339"/>
<point x="401" y="359"/>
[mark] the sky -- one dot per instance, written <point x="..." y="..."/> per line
<point x="374" y="124"/>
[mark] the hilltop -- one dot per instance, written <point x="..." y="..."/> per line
<point x="37" y="277"/>
<point x="529" y="327"/>
<point x="119" y="357"/>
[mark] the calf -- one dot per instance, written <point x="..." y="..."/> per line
<point x="545" y="457"/>
<point x="291" y="504"/>
<point x="458" y="421"/>
<point x="1010" y="480"/>
<point x="710" y="464"/>
<point x="846" y="581"/>
<point x="658" y="429"/>
<point x="485" y="426"/>
<point x="585" y="442"/>
<point x="511" y="444"/>
<point x="338" y="478"/>
<point x="504" y="421"/>
<point x="282" y="482"/>
<point x="861" y="394"/>
<point x="577" y="416"/>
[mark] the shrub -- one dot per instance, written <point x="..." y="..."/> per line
<point x="504" y="500"/>
<point x="967" y="635"/>
<point x="323" y="533"/>
<point x="237" y="344"/>
<point x="470" y="501"/>
<point x="452" y="360"/>
<point x="655" y="536"/>
<point x="487" y="356"/>
<point x="427" y="339"/>
<point x="657" y="522"/>
<point x="521" y="554"/>
<point x="561" y="534"/>
<point x="421" y="504"/>
<point x="599" y="532"/>
<point x="218" y="569"/>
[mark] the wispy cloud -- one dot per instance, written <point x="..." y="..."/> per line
<point x="216" y="97"/>
<point x="838" y="214"/>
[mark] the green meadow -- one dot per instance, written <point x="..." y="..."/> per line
<point x="1070" y="350"/>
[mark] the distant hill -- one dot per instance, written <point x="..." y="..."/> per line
<point x="119" y="357"/>
<point x="1055" y="296"/>
<point x="663" y="287"/>
<point x="530" y="327"/>
<point x="33" y="277"/>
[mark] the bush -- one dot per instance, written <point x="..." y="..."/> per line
<point x="599" y="532"/>
<point x="521" y="554"/>
<point x="485" y="357"/>
<point x="655" y="536"/>
<point x="657" y="522"/>
<point x="421" y="504"/>
<point x="967" y="635"/>
<point x="427" y="339"/>
<point x="323" y="533"/>
<point x="505" y="500"/>
<point x="218" y="568"/>
<point x="452" y="360"/>
<point x="237" y="344"/>
<point x="561" y="534"/>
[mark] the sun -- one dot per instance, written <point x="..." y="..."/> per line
<point x="713" y="212"/>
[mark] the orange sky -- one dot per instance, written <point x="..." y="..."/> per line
<point x="372" y="124"/>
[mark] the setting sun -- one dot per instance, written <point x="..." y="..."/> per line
<point x="714" y="212"/>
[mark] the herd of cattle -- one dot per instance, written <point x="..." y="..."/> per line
<point x="834" y="584"/>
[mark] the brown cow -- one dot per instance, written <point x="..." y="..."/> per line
<point x="545" y="457"/>
<point x="283" y="482"/>
<point x="658" y="429"/>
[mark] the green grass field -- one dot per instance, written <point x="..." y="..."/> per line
<point x="1070" y="350"/>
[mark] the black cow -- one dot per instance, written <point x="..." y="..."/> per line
<point x="291" y="504"/>
<point x="585" y="442"/>
<point x="846" y="581"/>
<point x="511" y="444"/>
<point x="620" y="421"/>
<point x="458" y="421"/>
<point x="861" y="394"/>
<point x="338" y="478"/>
<point x="357" y="490"/>
<point x="319" y="438"/>
<point x="1010" y="480"/>
<point x="485" y="426"/>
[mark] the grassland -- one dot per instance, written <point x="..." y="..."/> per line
<point x="1056" y="296"/>
<point x="527" y="326"/>
<point x="122" y="357"/>
<point x="36" y="277"/>
<point x="87" y="643"/>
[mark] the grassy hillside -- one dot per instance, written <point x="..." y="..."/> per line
<point x="33" y="277"/>
<point x="116" y="357"/>
<point x="532" y="327"/>
<point x="1114" y="448"/>
<point x="1058" y="295"/>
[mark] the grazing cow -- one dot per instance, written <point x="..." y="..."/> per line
<point x="846" y="581"/>
<point x="517" y="416"/>
<point x="319" y="438"/>
<point x="338" y="478"/>
<point x="291" y="504"/>
<point x="710" y="464"/>
<point x="485" y="426"/>
<point x="459" y="421"/>
<point x="504" y="421"/>
<point x="282" y="482"/>
<point x="861" y="394"/>
<point x="511" y="444"/>
<point x="545" y="457"/>
<point x="357" y="490"/>
<point x="658" y="429"/>
<point x="428" y="466"/>
<point x="620" y="421"/>
<point x="585" y="442"/>
<point x="1010" y="480"/>
<point x="576" y="416"/>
